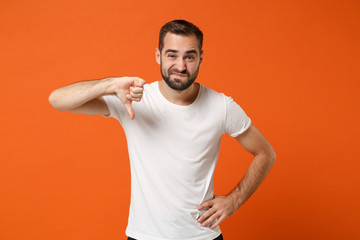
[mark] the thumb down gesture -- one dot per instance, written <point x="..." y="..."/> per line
<point x="129" y="89"/>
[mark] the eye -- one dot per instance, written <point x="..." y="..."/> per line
<point x="190" y="57"/>
<point x="171" y="56"/>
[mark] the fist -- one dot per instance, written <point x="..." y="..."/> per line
<point x="128" y="89"/>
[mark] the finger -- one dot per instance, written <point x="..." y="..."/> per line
<point x="211" y="219"/>
<point x="137" y="89"/>
<point x="139" y="82"/>
<point x="206" y="214"/>
<point x="135" y="99"/>
<point x="129" y="109"/>
<point x="217" y="223"/>
<point x="135" y="95"/>
<point x="130" y="98"/>
<point x="206" y="204"/>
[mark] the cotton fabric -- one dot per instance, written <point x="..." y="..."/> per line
<point x="173" y="152"/>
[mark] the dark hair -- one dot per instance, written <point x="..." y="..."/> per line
<point x="180" y="27"/>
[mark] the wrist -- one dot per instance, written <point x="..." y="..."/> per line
<point x="109" y="85"/>
<point x="236" y="198"/>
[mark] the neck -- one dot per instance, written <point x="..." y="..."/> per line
<point x="184" y="97"/>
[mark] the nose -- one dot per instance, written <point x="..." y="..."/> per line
<point x="180" y="64"/>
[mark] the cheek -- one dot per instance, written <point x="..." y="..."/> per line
<point x="165" y="64"/>
<point x="192" y="67"/>
<point x="170" y="67"/>
<point x="165" y="69"/>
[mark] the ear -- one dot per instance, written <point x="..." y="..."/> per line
<point x="201" y="56"/>
<point x="157" y="55"/>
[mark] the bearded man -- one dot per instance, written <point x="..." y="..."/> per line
<point x="174" y="140"/>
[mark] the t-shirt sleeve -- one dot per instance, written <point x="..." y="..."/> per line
<point x="116" y="108"/>
<point x="236" y="121"/>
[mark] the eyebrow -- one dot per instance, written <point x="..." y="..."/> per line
<point x="191" y="51"/>
<point x="176" y="51"/>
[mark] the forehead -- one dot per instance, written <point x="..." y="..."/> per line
<point x="180" y="43"/>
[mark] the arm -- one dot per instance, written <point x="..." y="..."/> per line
<point x="222" y="207"/>
<point x="86" y="97"/>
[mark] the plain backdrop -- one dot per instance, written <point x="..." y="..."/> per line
<point x="293" y="66"/>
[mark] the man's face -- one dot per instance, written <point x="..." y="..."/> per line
<point x="179" y="60"/>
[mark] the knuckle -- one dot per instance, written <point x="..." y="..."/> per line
<point x="205" y="215"/>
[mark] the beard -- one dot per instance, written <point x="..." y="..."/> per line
<point x="176" y="83"/>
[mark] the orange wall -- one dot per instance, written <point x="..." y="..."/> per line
<point x="292" y="65"/>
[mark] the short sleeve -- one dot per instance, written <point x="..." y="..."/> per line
<point x="116" y="108"/>
<point x="236" y="121"/>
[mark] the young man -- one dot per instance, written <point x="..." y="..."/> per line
<point x="174" y="140"/>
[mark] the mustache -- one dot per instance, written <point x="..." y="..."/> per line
<point x="178" y="71"/>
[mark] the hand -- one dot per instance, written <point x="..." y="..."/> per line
<point x="220" y="207"/>
<point x="129" y="89"/>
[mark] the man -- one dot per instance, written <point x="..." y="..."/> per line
<point x="174" y="140"/>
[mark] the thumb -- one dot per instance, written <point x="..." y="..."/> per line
<point x="129" y="108"/>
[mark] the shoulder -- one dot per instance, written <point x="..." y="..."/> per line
<point x="150" y="90"/>
<point x="151" y="86"/>
<point x="211" y="94"/>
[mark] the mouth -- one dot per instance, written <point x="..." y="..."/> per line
<point x="178" y="74"/>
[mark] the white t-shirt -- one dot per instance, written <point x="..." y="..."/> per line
<point x="173" y="151"/>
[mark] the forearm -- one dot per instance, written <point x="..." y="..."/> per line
<point x="255" y="174"/>
<point x="76" y="94"/>
<point x="221" y="207"/>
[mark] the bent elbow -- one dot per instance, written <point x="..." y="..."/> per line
<point x="272" y="156"/>
<point x="53" y="100"/>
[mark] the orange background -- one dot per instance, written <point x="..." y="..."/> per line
<point x="293" y="66"/>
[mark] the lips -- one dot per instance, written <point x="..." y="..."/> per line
<point x="178" y="75"/>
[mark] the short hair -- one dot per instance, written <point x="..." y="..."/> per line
<point x="181" y="27"/>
